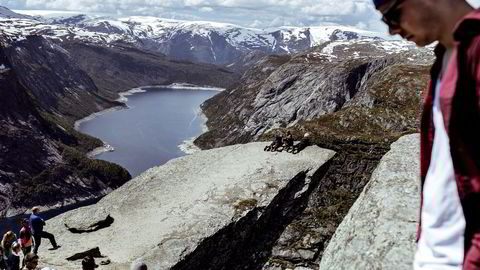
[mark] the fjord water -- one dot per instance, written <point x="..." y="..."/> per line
<point x="145" y="135"/>
<point x="149" y="132"/>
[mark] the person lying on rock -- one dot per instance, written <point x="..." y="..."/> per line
<point x="304" y="143"/>
<point x="449" y="229"/>
<point x="36" y="224"/>
<point x="275" y="145"/>
<point x="288" y="142"/>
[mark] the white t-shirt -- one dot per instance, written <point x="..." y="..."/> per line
<point x="441" y="243"/>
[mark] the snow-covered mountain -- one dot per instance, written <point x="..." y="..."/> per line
<point x="199" y="41"/>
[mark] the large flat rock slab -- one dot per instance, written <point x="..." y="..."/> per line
<point x="162" y="215"/>
<point x="379" y="230"/>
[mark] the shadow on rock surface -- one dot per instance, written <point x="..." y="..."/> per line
<point x="94" y="227"/>
<point x="94" y="252"/>
<point x="247" y="243"/>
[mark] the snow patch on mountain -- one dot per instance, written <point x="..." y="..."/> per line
<point x="203" y="41"/>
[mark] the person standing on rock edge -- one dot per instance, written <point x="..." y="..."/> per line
<point x="36" y="224"/>
<point x="449" y="229"/>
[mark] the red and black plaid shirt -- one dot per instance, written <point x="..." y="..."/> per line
<point x="460" y="106"/>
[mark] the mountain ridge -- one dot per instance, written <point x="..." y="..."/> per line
<point x="197" y="41"/>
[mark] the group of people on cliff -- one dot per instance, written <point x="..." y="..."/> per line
<point x="287" y="143"/>
<point x="27" y="244"/>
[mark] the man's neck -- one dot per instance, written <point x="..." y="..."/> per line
<point x="457" y="11"/>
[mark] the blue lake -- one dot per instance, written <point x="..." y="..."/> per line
<point x="150" y="132"/>
<point x="145" y="135"/>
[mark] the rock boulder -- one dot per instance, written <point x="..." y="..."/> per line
<point x="379" y="230"/>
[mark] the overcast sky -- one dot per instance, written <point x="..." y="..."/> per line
<point x="249" y="13"/>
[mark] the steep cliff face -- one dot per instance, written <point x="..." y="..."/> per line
<point x="380" y="229"/>
<point x="337" y="89"/>
<point x="353" y="97"/>
<point x="39" y="163"/>
<point x="53" y="78"/>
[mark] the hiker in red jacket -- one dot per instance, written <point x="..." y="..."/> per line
<point x="449" y="229"/>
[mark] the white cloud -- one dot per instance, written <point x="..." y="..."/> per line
<point x="258" y="13"/>
<point x="206" y="9"/>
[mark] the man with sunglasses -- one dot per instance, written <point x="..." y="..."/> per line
<point x="449" y="229"/>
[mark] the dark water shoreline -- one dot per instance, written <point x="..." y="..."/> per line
<point x="156" y="125"/>
<point x="13" y="222"/>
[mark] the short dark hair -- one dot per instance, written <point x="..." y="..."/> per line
<point x="88" y="263"/>
<point x="139" y="266"/>
<point x="30" y="257"/>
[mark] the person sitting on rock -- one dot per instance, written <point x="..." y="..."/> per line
<point x="138" y="266"/>
<point x="13" y="260"/>
<point x="304" y="142"/>
<point x="88" y="263"/>
<point x="36" y="224"/>
<point x="275" y="145"/>
<point x="288" y="142"/>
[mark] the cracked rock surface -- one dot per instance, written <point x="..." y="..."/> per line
<point x="164" y="214"/>
<point x="379" y="230"/>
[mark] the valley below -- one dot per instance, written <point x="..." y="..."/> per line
<point x="227" y="204"/>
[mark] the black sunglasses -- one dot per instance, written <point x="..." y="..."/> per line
<point x="392" y="16"/>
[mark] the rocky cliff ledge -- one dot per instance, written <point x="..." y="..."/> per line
<point x="216" y="209"/>
<point x="379" y="230"/>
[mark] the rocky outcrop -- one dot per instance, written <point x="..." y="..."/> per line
<point x="302" y="243"/>
<point x="339" y="90"/>
<point x="216" y="209"/>
<point x="379" y="230"/>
